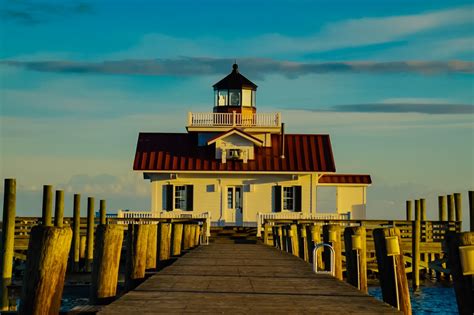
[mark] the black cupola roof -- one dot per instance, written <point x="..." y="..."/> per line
<point x="234" y="81"/>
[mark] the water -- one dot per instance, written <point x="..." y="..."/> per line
<point x="434" y="299"/>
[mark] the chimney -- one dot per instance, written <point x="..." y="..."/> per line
<point x="282" y="141"/>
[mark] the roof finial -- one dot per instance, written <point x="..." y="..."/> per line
<point x="235" y="67"/>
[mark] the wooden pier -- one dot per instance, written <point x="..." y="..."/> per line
<point x="243" y="279"/>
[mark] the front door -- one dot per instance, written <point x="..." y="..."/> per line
<point x="234" y="204"/>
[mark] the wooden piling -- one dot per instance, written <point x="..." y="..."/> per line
<point x="451" y="213"/>
<point x="82" y="247"/>
<point x="409" y="209"/>
<point x="266" y="234"/>
<point x="90" y="234"/>
<point x="165" y="237"/>
<point x="177" y="239"/>
<point x="105" y="270"/>
<point x="356" y="260"/>
<point x="415" y="251"/>
<point x="463" y="285"/>
<point x="302" y="242"/>
<point x="417" y="210"/>
<point x="392" y="278"/>
<point x="8" y="240"/>
<point x="442" y="208"/>
<point x="76" y="236"/>
<point x="316" y="239"/>
<point x="197" y="235"/>
<point x="335" y="230"/>
<point x="187" y="236"/>
<point x="293" y="233"/>
<point x="59" y="208"/>
<point x="280" y="237"/>
<point x="192" y="232"/>
<point x="423" y="209"/>
<point x="46" y="264"/>
<point x="458" y="209"/>
<point x="137" y="238"/>
<point x="47" y="210"/>
<point x="471" y="210"/>
<point x="102" y="212"/>
<point x="152" y="248"/>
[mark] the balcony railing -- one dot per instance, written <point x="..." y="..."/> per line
<point x="234" y="120"/>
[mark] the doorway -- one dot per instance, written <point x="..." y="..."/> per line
<point x="234" y="204"/>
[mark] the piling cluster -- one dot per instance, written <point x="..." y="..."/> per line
<point x="92" y="245"/>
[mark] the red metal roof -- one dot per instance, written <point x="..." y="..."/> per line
<point x="345" y="179"/>
<point x="180" y="152"/>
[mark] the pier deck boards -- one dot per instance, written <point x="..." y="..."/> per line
<point x="243" y="279"/>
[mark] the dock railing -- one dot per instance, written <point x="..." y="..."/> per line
<point x="261" y="217"/>
<point x="122" y="214"/>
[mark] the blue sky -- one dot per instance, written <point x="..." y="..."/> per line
<point x="390" y="81"/>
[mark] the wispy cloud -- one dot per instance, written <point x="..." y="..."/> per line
<point x="33" y="12"/>
<point x="399" y="107"/>
<point x="257" y="67"/>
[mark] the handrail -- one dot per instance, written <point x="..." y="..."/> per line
<point x="332" y="270"/>
<point x="208" y="119"/>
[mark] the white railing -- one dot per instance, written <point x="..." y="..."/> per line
<point x="169" y="215"/>
<point x="298" y="216"/>
<point x="234" y="119"/>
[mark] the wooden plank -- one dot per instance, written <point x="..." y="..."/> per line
<point x="242" y="279"/>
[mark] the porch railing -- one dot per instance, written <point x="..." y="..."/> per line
<point x="234" y="120"/>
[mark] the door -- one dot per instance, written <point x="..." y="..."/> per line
<point x="234" y="204"/>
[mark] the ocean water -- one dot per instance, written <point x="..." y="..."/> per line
<point x="436" y="299"/>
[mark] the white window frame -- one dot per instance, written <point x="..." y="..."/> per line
<point x="284" y="201"/>
<point x="179" y="201"/>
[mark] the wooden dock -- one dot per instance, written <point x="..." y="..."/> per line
<point x="228" y="277"/>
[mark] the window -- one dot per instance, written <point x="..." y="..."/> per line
<point x="230" y="198"/>
<point x="288" y="198"/>
<point x="222" y="98"/>
<point x="234" y="97"/>
<point x="234" y="197"/>
<point x="180" y="197"/>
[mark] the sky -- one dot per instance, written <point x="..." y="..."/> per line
<point x="390" y="81"/>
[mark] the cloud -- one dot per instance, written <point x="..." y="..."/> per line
<point x="410" y="29"/>
<point x="257" y="67"/>
<point x="394" y="107"/>
<point x="31" y="12"/>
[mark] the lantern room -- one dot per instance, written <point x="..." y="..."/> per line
<point x="235" y="93"/>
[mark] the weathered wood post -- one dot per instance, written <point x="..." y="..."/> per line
<point x="137" y="238"/>
<point x="90" y="234"/>
<point x="82" y="248"/>
<point x="186" y="236"/>
<point x="442" y="208"/>
<point x="471" y="210"/>
<point x="177" y="239"/>
<point x="8" y="240"/>
<point x="47" y="210"/>
<point x="105" y="270"/>
<point x="415" y="252"/>
<point x="462" y="277"/>
<point x="266" y="234"/>
<point x="356" y="257"/>
<point x="458" y="209"/>
<point x="409" y="210"/>
<point x="102" y="212"/>
<point x="332" y="235"/>
<point x="302" y="242"/>
<point x="46" y="264"/>
<point x="76" y="230"/>
<point x="280" y="237"/>
<point x="392" y="276"/>
<point x="423" y="209"/>
<point x="191" y="235"/>
<point x="316" y="239"/>
<point x="451" y="214"/>
<point x="197" y="235"/>
<point x="152" y="246"/>
<point x="165" y="237"/>
<point x="59" y="209"/>
<point x="293" y="232"/>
